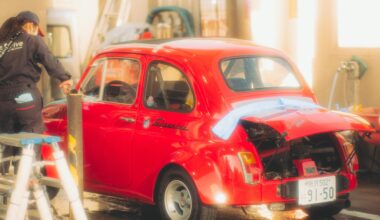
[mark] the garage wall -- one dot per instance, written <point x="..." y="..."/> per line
<point x="328" y="57"/>
<point x="140" y="9"/>
<point x="278" y="24"/>
<point x="12" y="9"/>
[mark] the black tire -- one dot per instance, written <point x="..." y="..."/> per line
<point x="178" y="181"/>
<point x="323" y="211"/>
<point x="149" y="212"/>
<point x="52" y="192"/>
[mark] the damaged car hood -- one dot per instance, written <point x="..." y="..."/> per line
<point x="292" y="117"/>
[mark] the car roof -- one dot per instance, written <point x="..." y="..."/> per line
<point x="204" y="54"/>
<point x="192" y="47"/>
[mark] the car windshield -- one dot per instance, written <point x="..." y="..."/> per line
<point x="257" y="73"/>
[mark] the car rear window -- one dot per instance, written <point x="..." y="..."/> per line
<point x="257" y="73"/>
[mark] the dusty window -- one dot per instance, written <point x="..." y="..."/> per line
<point x="254" y="73"/>
<point x="59" y="41"/>
<point x="168" y="88"/>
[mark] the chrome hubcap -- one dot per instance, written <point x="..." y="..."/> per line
<point x="178" y="202"/>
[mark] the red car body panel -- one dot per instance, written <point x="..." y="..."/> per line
<point x="127" y="159"/>
<point x="298" y="124"/>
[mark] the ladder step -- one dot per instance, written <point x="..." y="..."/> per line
<point x="48" y="181"/>
<point x="5" y="189"/>
<point x="7" y="179"/>
<point x="23" y="138"/>
<point x="7" y="183"/>
<point x="32" y="214"/>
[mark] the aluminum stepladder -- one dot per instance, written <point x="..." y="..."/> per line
<point x="25" y="177"/>
<point x="114" y="14"/>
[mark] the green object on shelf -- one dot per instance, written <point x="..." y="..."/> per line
<point x="185" y="15"/>
<point x="362" y="65"/>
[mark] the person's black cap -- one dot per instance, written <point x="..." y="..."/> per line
<point x="32" y="17"/>
<point x="29" y="16"/>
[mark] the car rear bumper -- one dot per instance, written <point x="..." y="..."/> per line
<point x="283" y="192"/>
<point x="341" y="201"/>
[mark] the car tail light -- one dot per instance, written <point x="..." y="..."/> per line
<point x="353" y="165"/>
<point x="249" y="164"/>
<point x="350" y="155"/>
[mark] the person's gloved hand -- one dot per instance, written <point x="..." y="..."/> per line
<point x="66" y="86"/>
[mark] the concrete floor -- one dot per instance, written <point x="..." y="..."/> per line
<point x="366" y="198"/>
<point x="365" y="205"/>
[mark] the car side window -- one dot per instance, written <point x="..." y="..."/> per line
<point x="167" y="88"/>
<point x="113" y="80"/>
<point x="121" y="80"/>
<point x="91" y="85"/>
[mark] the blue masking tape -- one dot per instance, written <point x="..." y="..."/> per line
<point x="52" y="139"/>
<point x="259" y="108"/>
<point x="26" y="141"/>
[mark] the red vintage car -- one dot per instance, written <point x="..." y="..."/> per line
<point x="192" y="124"/>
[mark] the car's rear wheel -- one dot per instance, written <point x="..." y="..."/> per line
<point x="177" y="198"/>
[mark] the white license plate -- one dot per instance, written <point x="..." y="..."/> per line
<point x="316" y="190"/>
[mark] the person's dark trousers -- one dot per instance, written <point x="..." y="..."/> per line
<point x="20" y="111"/>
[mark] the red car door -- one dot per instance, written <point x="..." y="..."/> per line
<point x="169" y="119"/>
<point x="109" y="118"/>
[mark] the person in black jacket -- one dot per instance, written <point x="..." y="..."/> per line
<point x="22" y="52"/>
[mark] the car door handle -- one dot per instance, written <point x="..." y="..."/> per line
<point x="127" y="119"/>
